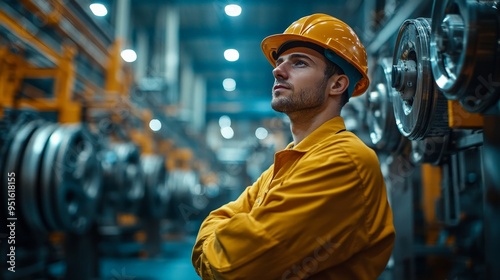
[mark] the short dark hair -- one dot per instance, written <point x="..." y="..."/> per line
<point x="332" y="69"/>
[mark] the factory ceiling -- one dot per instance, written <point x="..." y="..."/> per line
<point x="205" y="31"/>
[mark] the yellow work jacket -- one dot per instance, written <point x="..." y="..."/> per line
<point x="319" y="212"/>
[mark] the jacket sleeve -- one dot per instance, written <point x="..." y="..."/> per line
<point x="314" y="213"/>
<point x="216" y="219"/>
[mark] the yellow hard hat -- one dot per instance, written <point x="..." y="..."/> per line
<point x="336" y="40"/>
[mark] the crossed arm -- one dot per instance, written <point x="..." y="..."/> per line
<point x="318" y="206"/>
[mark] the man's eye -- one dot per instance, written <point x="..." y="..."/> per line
<point x="300" y="63"/>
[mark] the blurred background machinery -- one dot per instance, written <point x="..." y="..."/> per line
<point x="109" y="162"/>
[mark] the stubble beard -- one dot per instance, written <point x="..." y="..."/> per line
<point x="305" y="100"/>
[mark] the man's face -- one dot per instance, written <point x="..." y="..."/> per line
<point x="299" y="81"/>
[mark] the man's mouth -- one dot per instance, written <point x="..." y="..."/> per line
<point x="280" y="86"/>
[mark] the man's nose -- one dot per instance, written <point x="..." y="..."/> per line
<point x="280" y="72"/>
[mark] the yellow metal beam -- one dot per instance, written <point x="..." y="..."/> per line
<point x="41" y="104"/>
<point x="11" y="74"/>
<point x="458" y="117"/>
<point x="114" y="75"/>
<point x="145" y="140"/>
<point x="180" y="158"/>
<point x="431" y="191"/>
<point x="39" y="72"/>
<point x="69" y="111"/>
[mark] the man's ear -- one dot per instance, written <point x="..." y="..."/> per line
<point x="339" y="85"/>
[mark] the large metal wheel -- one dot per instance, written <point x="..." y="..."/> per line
<point x="420" y="110"/>
<point x="384" y="133"/>
<point x="157" y="193"/>
<point x="17" y="148"/>
<point x="13" y="165"/>
<point x="464" y="51"/>
<point x="30" y="182"/>
<point x="76" y="180"/>
<point x="127" y="184"/>
<point x="187" y="195"/>
<point x="70" y="180"/>
<point x="47" y="195"/>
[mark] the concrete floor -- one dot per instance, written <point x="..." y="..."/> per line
<point x="173" y="263"/>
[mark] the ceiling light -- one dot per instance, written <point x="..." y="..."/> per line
<point x="224" y="121"/>
<point x="261" y="133"/>
<point x="98" y="9"/>
<point x="155" y="125"/>
<point x="227" y="132"/>
<point x="232" y="10"/>
<point x="231" y="55"/>
<point x="229" y="84"/>
<point x="129" y="55"/>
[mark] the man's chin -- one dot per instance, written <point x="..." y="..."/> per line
<point x="278" y="108"/>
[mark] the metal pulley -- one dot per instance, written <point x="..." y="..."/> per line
<point x="70" y="180"/>
<point x="465" y="51"/>
<point x="355" y="114"/>
<point x="429" y="150"/>
<point x="126" y="184"/>
<point x="110" y="170"/>
<point x="157" y="193"/>
<point x="420" y="110"/>
<point x="384" y="133"/>
<point x="187" y="194"/>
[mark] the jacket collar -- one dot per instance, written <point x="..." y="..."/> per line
<point x="325" y="130"/>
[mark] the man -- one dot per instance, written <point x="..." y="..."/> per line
<point x="321" y="210"/>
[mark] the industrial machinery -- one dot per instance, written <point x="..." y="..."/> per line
<point x="440" y="91"/>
